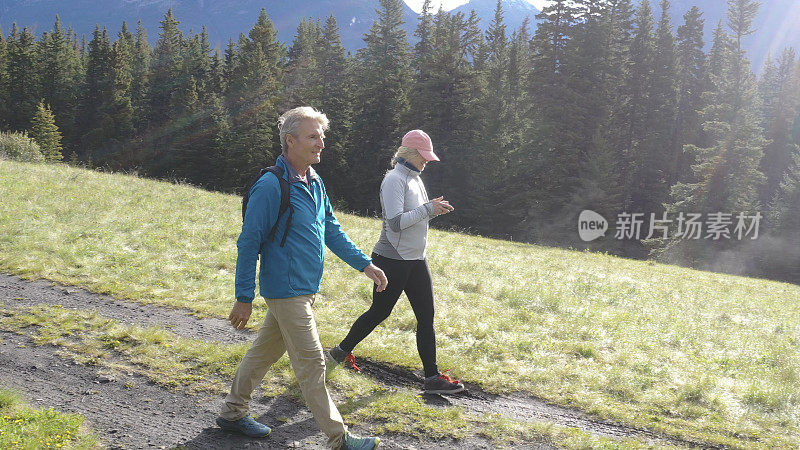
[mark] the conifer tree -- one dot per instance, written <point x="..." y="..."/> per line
<point x="421" y="65"/>
<point x="496" y="96"/>
<point x="654" y="143"/>
<point x="780" y="101"/>
<point x="784" y="210"/>
<point x="45" y="133"/>
<point x="216" y="77"/>
<point x="93" y="121"/>
<point x="230" y="67"/>
<point x="120" y="106"/>
<point x="691" y="82"/>
<point x="140" y="75"/>
<point x="3" y="81"/>
<point x="550" y="152"/>
<point x="58" y="66"/>
<point x="252" y="98"/>
<point x="454" y="119"/>
<point x="337" y="103"/>
<point x="197" y="63"/>
<point x="595" y="65"/>
<point x="727" y="171"/>
<point x="721" y="45"/>
<point x="638" y="86"/>
<point x="304" y="59"/>
<point x="165" y="73"/>
<point x="489" y="166"/>
<point x="22" y="81"/>
<point x="382" y="102"/>
<point x="518" y="66"/>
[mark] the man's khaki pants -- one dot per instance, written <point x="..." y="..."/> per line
<point x="288" y="327"/>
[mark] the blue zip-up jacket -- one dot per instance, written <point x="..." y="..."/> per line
<point x="296" y="268"/>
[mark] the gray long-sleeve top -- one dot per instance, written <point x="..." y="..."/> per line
<point x="406" y="212"/>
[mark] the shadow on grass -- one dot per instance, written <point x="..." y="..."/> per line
<point x="290" y="422"/>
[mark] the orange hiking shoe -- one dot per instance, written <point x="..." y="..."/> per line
<point x="442" y="384"/>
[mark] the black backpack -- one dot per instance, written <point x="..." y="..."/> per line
<point x="285" y="204"/>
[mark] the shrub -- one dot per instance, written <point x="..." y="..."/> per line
<point x="19" y="147"/>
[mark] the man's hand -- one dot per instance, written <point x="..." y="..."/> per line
<point x="240" y="314"/>
<point x="375" y="274"/>
<point x="441" y="206"/>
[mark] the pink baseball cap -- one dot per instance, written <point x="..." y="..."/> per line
<point x="421" y="142"/>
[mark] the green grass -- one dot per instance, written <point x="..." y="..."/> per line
<point x="693" y="354"/>
<point x="23" y="427"/>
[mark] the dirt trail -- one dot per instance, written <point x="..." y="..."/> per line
<point x="187" y="420"/>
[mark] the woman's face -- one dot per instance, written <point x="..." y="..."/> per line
<point x="418" y="161"/>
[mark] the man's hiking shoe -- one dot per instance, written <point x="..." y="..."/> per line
<point x="246" y="426"/>
<point x="336" y="356"/>
<point x="442" y="384"/>
<point x="352" y="442"/>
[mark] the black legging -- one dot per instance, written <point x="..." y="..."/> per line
<point x="413" y="277"/>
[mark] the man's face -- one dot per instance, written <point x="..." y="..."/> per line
<point x="306" y="146"/>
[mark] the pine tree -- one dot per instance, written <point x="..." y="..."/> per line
<point x="120" y="110"/>
<point x="654" y="143"/>
<point x="453" y="97"/>
<point x="780" y="104"/>
<point x="382" y="102"/>
<point x="691" y="82"/>
<point x="594" y="62"/>
<point x="22" y="81"/>
<point x="252" y="99"/>
<point x="140" y="73"/>
<point x="45" y="133"/>
<point x="551" y="150"/>
<point x="3" y="81"/>
<point x="784" y="211"/>
<point x="721" y="45"/>
<point x="58" y="66"/>
<point x="638" y="82"/>
<point x="304" y="58"/>
<point x="230" y="68"/>
<point x="337" y="103"/>
<point x="216" y="79"/>
<point x="421" y="62"/>
<point x="197" y="62"/>
<point x="93" y="121"/>
<point x="727" y="171"/>
<point x="165" y="73"/>
<point x="496" y="96"/>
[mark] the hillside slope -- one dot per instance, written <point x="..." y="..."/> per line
<point x="696" y="355"/>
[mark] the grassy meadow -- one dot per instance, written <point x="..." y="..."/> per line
<point x="23" y="427"/>
<point x="691" y="354"/>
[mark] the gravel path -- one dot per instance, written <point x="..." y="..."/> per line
<point x="149" y="416"/>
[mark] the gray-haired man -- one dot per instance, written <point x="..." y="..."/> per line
<point x="289" y="280"/>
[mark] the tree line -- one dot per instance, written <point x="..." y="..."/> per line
<point x="604" y="106"/>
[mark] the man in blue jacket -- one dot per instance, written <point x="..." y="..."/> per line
<point x="289" y="279"/>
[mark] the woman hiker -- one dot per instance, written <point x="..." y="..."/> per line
<point x="400" y="253"/>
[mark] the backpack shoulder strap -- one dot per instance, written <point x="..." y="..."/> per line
<point x="285" y="204"/>
<point x="246" y="195"/>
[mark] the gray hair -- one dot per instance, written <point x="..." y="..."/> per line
<point x="405" y="153"/>
<point x="289" y="122"/>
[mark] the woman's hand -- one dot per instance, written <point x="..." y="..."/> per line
<point x="441" y="206"/>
